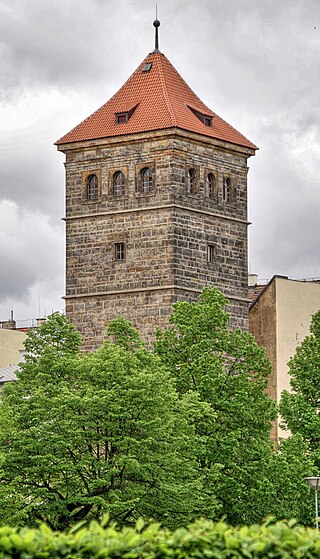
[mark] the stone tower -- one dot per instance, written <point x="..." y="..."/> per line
<point x="156" y="205"/>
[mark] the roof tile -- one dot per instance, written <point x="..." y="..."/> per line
<point x="162" y="99"/>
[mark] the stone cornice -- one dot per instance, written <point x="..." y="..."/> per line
<point x="174" y="133"/>
<point x="155" y="208"/>
<point x="147" y="289"/>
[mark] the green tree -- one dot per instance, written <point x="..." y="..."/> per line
<point x="229" y="372"/>
<point x="289" y="495"/>
<point x="85" y="434"/>
<point x="300" y="409"/>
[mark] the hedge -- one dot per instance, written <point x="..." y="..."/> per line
<point x="201" y="540"/>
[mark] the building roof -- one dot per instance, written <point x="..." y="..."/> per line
<point x="255" y="291"/>
<point x="8" y="374"/>
<point x="154" y="99"/>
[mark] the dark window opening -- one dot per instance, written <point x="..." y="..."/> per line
<point x="191" y="181"/>
<point x="210" y="185"/>
<point x="226" y="191"/>
<point x="119" y="251"/>
<point x="122" y="118"/>
<point x="147" y="67"/>
<point x="119" y="184"/>
<point x="206" y="119"/>
<point x="92" y="187"/>
<point x="211" y="253"/>
<point x="146" y="180"/>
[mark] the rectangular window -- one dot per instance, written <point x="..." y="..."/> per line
<point x="122" y="118"/>
<point x="147" y="67"/>
<point x="119" y="251"/>
<point x="211" y="253"/>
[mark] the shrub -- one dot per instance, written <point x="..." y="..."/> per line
<point x="202" y="539"/>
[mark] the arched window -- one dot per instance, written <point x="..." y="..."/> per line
<point x="119" y="184"/>
<point x="92" y="187"/>
<point x="211" y="182"/>
<point x="226" y="192"/>
<point x="191" y="181"/>
<point x="146" y="180"/>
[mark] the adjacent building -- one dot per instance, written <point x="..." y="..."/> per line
<point x="280" y="316"/>
<point x="11" y="346"/>
<point x="156" y="205"/>
<point x="11" y="350"/>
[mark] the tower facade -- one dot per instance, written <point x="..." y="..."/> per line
<point x="156" y="205"/>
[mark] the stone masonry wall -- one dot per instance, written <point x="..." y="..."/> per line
<point x="166" y="232"/>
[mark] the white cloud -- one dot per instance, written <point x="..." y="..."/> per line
<point x="254" y="63"/>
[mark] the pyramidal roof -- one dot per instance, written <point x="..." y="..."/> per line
<point x="155" y="97"/>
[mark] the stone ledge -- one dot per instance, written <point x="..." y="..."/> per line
<point x="153" y="208"/>
<point x="145" y="289"/>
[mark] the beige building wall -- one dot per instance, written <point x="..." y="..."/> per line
<point x="11" y="343"/>
<point x="280" y="320"/>
<point x="296" y="302"/>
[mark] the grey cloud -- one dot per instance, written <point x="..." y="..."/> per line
<point x="31" y="251"/>
<point x="31" y="177"/>
<point x="256" y="63"/>
<point x="57" y="43"/>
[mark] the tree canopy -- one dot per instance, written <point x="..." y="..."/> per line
<point x="174" y="432"/>
<point x="86" y="434"/>
<point x="229" y="371"/>
<point x="300" y="408"/>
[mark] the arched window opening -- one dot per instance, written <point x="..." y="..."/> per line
<point x="191" y="181"/>
<point x="92" y="187"/>
<point x="226" y="193"/>
<point x="119" y="184"/>
<point x="146" y="180"/>
<point x="210" y="185"/>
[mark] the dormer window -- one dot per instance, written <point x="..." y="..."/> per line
<point x="205" y="119"/>
<point x="147" y="67"/>
<point x="123" y="117"/>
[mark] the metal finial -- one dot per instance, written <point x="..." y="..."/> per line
<point x="156" y="24"/>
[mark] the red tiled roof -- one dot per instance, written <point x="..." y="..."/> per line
<point x="162" y="99"/>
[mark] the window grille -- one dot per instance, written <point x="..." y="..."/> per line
<point x="92" y="187"/>
<point x="119" y="184"/>
<point x="119" y="251"/>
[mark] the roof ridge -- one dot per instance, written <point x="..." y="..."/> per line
<point x="165" y="91"/>
<point x="104" y="104"/>
<point x="235" y="130"/>
<point x="188" y="86"/>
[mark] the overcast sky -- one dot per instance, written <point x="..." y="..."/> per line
<point x="256" y="63"/>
